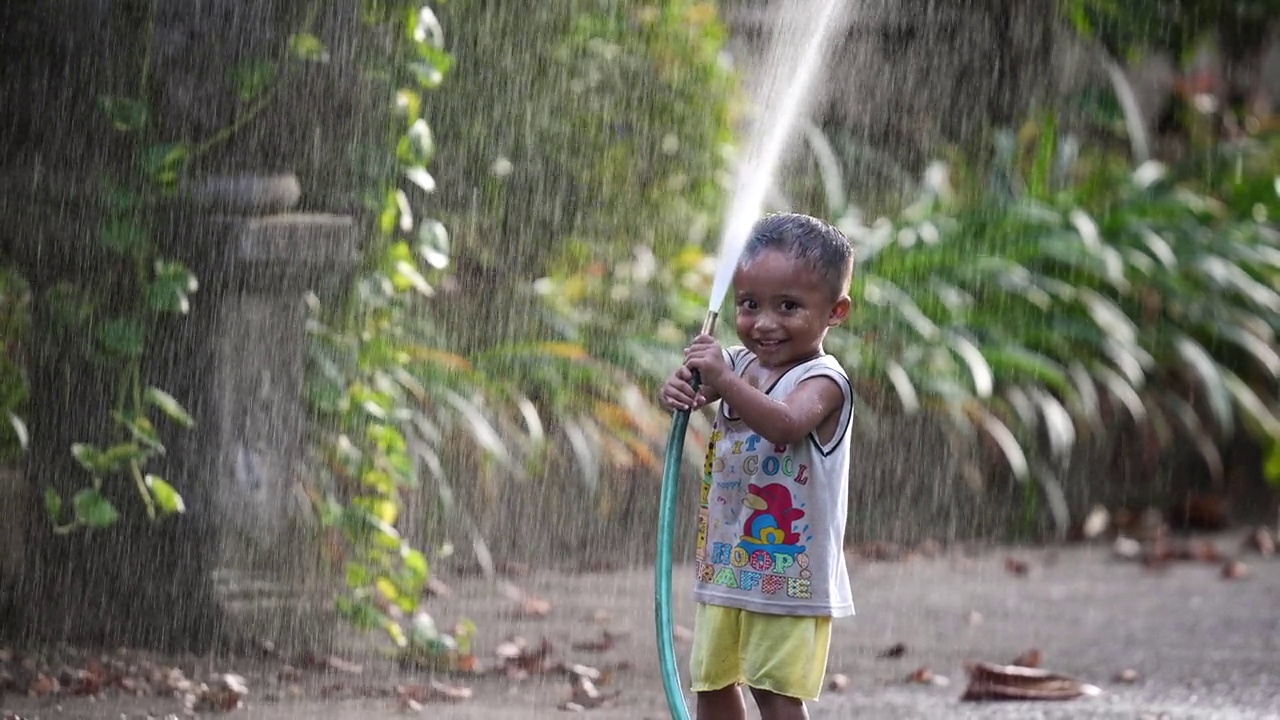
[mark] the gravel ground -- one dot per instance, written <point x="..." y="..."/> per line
<point x="1202" y="647"/>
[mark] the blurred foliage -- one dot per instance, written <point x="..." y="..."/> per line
<point x="578" y="130"/>
<point x="15" y="321"/>
<point x="369" y="376"/>
<point x="1125" y="27"/>
<point x="402" y="396"/>
<point x="1075" y="299"/>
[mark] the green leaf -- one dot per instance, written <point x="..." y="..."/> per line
<point x="52" y="504"/>
<point x="169" y="405"/>
<point x="308" y="48"/>
<point x="250" y="77"/>
<point x="419" y="176"/>
<point x="164" y="162"/>
<point x="123" y="236"/>
<point x="93" y="509"/>
<point x="123" y="337"/>
<point x="1202" y="364"/>
<point x="89" y="456"/>
<point x="425" y="27"/>
<point x="417" y="146"/>
<point x="167" y="499"/>
<point x="19" y="429"/>
<point x="415" y="563"/>
<point x="433" y="243"/>
<point x="168" y="290"/>
<point x="125" y="114"/>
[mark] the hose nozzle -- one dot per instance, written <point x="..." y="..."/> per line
<point x="709" y="324"/>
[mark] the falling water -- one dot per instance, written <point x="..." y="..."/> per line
<point x="784" y="95"/>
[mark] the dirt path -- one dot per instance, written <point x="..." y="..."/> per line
<point x="1202" y="647"/>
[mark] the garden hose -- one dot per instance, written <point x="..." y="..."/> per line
<point x="662" y="566"/>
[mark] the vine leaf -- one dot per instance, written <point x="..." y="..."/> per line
<point x="123" y="236"/>
<point x="250" y="78"/>
<point x="168" y="291"/>
<point x="308" y="48"/>
<point x="170" y="406"/>
<point x="123" y="337"/>
<point x="93" y="509"/>
<point x="167" y="498"/>
<point x="164" y="162"/>
<point x="52" y="504"/>
<point x="125" y="114"/>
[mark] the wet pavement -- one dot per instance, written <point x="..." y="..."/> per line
<point x="1201" y="646"/>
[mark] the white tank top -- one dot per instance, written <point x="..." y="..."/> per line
<point x="772" y="519"/>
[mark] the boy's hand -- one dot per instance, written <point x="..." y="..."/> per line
<point x="678" y="394"/>
<point x="705" y="355"/>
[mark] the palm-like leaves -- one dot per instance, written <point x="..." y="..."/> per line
<point x="1053" y="314"/>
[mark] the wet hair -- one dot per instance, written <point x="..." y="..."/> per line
<point x="820" y="246"/>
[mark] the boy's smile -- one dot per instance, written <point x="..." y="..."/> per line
<point x="783" y="309"/>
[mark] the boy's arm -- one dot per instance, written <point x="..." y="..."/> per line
<point x="786" y="421"/>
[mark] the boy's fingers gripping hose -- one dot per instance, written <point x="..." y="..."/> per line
<point x="662" y="566"/>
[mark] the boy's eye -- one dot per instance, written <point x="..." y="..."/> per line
<point x="790" y="305"/>
<point x="748" y="304"/>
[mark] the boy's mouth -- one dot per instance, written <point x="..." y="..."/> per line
<point x="769" y="344"/>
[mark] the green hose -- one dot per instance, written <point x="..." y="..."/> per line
<point x="662" y="568"/>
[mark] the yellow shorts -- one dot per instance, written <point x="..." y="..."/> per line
<point x="784" y="654"/>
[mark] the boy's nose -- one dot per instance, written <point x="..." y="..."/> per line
<point x="766" y="321"/>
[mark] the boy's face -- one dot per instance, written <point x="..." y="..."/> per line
<point x="783" y="309"/>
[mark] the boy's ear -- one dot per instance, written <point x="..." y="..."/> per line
<point x="839" y="311"/>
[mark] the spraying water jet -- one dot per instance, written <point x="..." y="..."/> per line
<point x="783" y="95"/>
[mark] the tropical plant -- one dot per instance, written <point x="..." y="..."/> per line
<point x="1069" y="302"/>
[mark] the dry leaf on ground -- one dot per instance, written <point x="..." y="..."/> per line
<point x="989" y="681"/>
<point x="1028" y="658"/>
<point x="606" y="642"/>
<point x="893" y="652"/>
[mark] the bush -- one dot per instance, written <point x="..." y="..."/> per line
<point x="1079" y="304"/>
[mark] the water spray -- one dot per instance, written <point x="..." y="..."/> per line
<point x="785" y="93"/>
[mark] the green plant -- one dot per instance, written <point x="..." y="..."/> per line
<point x="1073" y="304"/>
<point x="121" y="310"/>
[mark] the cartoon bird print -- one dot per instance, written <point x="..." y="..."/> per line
<point x="771" y="524"/>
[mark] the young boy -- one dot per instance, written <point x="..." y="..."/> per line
<point x="771" y="570"/>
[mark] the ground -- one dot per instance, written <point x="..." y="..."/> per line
<point x="1196" y="645"/>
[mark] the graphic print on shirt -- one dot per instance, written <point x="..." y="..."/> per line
<point x="764" y="520"/>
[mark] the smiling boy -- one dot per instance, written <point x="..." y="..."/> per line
<point x="771" y="570"/>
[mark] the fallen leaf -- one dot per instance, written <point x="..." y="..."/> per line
<point x="682" y="634"/>
<point x="433" y="691"/>
<point x="1127" y="676"/>
<point x="988" y="681"/>
<point x="929" y="549"/>
<point x="606" y="642"/>
<point x="838" y="683"/>
<point x="1028" y="659"/>
<point x="1234" y="570"/>
<point x="311" y="661"/>
<point x="223" y="693"/>
<point x="1261" y="541"/>
<point x="922" y="675"/>
<point x="1126" y="548"/>
<point x="585" y="694"/>
<point x="42" y="686"/>
<point x="527" y="606"/>
<point x="893" y="652"/>
<point x="1014" y="566"/>
<point x="516" y="658"/>
<point x="1095" y="523"/>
